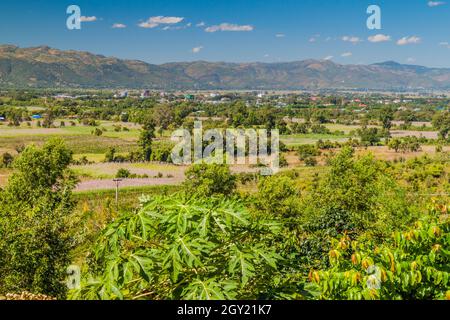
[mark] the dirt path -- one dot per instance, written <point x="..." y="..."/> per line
<point x="106" y="184"/>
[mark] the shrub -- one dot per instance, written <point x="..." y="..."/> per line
<point x="210" y="179"/>
<point x="123" y="173"/>
<point x="412" y="265"/>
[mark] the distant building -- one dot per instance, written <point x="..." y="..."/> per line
<point x="189" y="97"/>
<point x="2" y="118"/>
<point x="145" y="94"/>
<point x="36" y="116"/>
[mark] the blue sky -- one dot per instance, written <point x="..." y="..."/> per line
<point x="413" y="31"/>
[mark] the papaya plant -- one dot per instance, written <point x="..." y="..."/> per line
<point x="180" y="247"/>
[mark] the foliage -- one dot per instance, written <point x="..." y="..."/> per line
<point x="146" y="138"/>
<point x="123" y="173"/>
<point x="277" y="195"/>
<point x="357" y="197"/>
<point x="210" y="179"/>
<point x="369" y="136"/>
<point x="6" y="160"/>
<point x="406" y="144"/>
<point x="35" y="211"/>
<point x="182" y="248"/>
<point x="386" y="117"/>
<point x="413" y="264"/>
<point x="306" y="151"/>
<point x="441" y="121"/>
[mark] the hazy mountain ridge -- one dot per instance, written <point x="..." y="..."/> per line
<point x="47" y="67"/>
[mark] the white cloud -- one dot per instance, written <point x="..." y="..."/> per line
<point x="200" y="24"/>
<point x="118" y="26"/>
<point x="346" y="54"/>
<point x="88" y="19"/>
<point x="379" y="38"/>
<point x="411" y="60"/>
<point x="408" y="40"/>
<point x="445" y="44"/>
<point x="280" y="35"/>
<point x="328" y="58"/>
<point x="312" y="39"/>
<point x="197" y="49"/>
<point x="351" y="39"/>
<point x="154" y="22"/>
<point x="148" y="25"/>
<point x="433" y="4"/>
<point x="229" y="27"/>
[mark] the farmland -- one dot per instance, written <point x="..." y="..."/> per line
<point x="346" y="176"/>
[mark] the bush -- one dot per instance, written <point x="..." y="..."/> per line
<point x="6" y="160"/>
<point x="123" y="173"/>
<point x="210" y="179"/>
<point x="310" y="162"/>
<point x="277" y="195"/>
<point x="307" y="151"/>
<point x="413" y="265"/>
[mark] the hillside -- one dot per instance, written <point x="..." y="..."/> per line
<point x="46" y="67"/>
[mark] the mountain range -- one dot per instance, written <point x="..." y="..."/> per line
<point x="45" y="67"/>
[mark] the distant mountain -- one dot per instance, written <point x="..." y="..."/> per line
<point x="47" y="67"/>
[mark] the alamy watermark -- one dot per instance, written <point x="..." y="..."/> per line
<point x="258" y="147"/>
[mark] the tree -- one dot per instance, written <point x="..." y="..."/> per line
<point x="395" y="144"/>
<point x="163" y="116"/>
<point x="110" y="155"/>
<point x="210" y="179"/>
<point x="369" y="136"/>
<point x="406" y="144"/>
<point x="441" y="121"/>
<point x="146" y="139"/>
<point x="386" y="117"/>
<point x="35" y="211"/>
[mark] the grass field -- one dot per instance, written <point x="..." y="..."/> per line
<point x="79" y="138"/>
<point x="301" y="139"/>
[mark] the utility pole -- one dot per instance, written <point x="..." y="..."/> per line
<point x="117" y="181"/>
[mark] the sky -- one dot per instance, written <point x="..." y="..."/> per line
<point x="160" y="31"/>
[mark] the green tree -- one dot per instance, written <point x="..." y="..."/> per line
<point x="35" y="211"/>
<point x="146" y="139"/>
<point x="110" y="155"/>
<point x="441" y="121"/>
<point x="369" y="136"/>
<point x="386" y="116"/>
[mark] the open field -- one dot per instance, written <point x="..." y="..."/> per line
<point x="99" y="175"/>
<point x="301" y="139"/>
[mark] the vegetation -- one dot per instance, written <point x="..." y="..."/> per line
<point x="358" y="210"/>
<point x="35" y="213"/>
